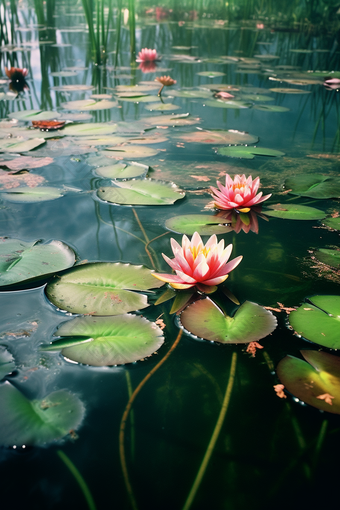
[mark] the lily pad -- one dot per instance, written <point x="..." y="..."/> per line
<point x="314" y="186"/>
<point x="248" y="152"/>
<point x="251" y="322"/>
<point x="211" y="74"/>
<point x="333" y="223"/>
<point x="234" y="104"/>
<point x="163" y="107"/>
<point x="23" y="162"/>
<point x="282" y="90"/>
<point x="328" y="257"/>
<point x="270" y="108"/>
<point x="102" y="288"/>
<point x="89" y="104"/>
<point x="131" y="151"/>
<point x="294" y="212"/>
<point x="318" y="320"/>
<point x="72" y="88"/>
<point x="20" y="144"/>
<point x="90" y="129"/>
<point x="27" y="115"/>
<point x="193" y="94"/>
<point x="37" y="422"/>
<point x="315" y="381"/>
<point x="231" y="136"/>
<point x="202" y="223"/>
<point x="140" y="99"/>
<point x="22" y="261"/>
<point x="181" y="119"/>
<point x="141" y="192"/>
<point x="122" y="171"/>
<point x="103" y="341"/>
<point x="27" y="194"/>
<point x="7" y="364"/>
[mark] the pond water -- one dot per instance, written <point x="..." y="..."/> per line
<point x="197" y="424"/>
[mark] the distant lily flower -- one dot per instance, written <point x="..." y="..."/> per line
<point x="196" y="264"/>
<point x="239" y="193"/>
<point x="223" y="95"/>
<point x="147" y="55"/>
<point x="16" y="74"/>
<point x="166" y="81"/>
<point x="332" y="83"/>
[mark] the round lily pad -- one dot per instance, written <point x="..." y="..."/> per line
<point x="282" y="90"/>
<point x="270" y="108"/>
<point x="314" y="186"/>
<point x="122" y="171"/>
<point x="7" y="364"/>
<point x="141" y="192"/>
<point x="333" y="223"/>
<point x="130" y="151"/>
<point x="27" y="194"/>
<point x="294" y="212"/>
<point x="211" y="74"/>
<point x="248" y="152"/>
<point x="21" y="261"/>
<point x="89" y="104"/>
<point x="202" y="223"/>
<point x="315" y="381"/>
<point x="19" y="144"/>
<point x="90" y="129"/>
<point x="235" y="104"/>
<point x="102" y="288"/>
<point x="250" y="322"/>
<point x="27" y="115"/>
<point x="318" y="320"/>
<point x="37" y="422"/>
<point x="102" y="341"/>
<point x="328" y="257"/>
<point x="231" y="136"/>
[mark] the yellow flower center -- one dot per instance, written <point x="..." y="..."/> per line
<point x="195" y="250"/>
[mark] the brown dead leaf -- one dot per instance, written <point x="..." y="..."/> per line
<point x="23" y="162"/>
<point x="200" y="178"/>
<point x="279" y="390"/>
<point x="252" y="346"/>
<point x="8" y="181"/>
<point x="326" y="397"/>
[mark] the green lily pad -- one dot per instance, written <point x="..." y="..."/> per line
<point x="27" y="194"/>
<point x="314" y="186"/>
<point x="256" y="97"/>
<point x="22" y="261"/>
<point x="20" y="144"/>
<point x="283" y="90"/>
<point x="140" y="99"/>
<point x="248" y="152"/>
<point x="318" y="320"/>
<point x="72" y="88"/>
<point x="211" y="74"/>
<point x="333" y="223"/>
<point x="318" y="376"/>
<point x="181" y="119"/>
<point x="250" y="322"/>
<point x="234" y="104"/>
<point x="197" y="94"/>
<point x="102" y="288"/>
<point x="103" y="341"/>
<point x="37" y="422"/>
<point x="7" y="364"/>
<point x="294" y="212"/>
<point x="122" y="171"/>
<point x="89" y="104"/>
<point x="141" y="192"/>
<point x="130" y="151"/>
<point x="27" y="115"/>
<point x="270" y="108"/>
<point x="163" y="107"/>
<point x="202" y="223"/>
<point x="231" y="136"/>
<point x="64" y="74"/>
<point x="328" y="257"/>
<point x="90" y="129"/>
<point x="98" y="141"/>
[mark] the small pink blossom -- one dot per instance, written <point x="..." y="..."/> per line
<point x="196" y="264"/>
<point x="239" y="193"/>
<point x="146" y="55"/>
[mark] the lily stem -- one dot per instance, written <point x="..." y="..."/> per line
<point x="214" y="437"/>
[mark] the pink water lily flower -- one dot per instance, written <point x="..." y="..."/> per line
<point x="196" y="264"/>
<point x="146" y="55"/>
<point x="239" y="193"/>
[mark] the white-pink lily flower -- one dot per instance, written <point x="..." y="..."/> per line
<point x="147" y="55"/>
<point x="240" y="193"/>
<point x="196" y="264"/>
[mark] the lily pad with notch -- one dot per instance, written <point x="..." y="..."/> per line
<point x="90" y="129"/>
<point x="250" y="323"/>
<point x="27" y="115"/>
<point x="318" y="320"/>
<point x="141" y="192"/>
<point x="333" y="223"/>
<point x="231" y="136"/>
<point x="202" y="223"/>
<point x="22" y="261"/>
<point x="128" y="151"/>
<point x="314" y="186"/>
<point x="123" y="171"/>
<point x="102" y="288"/>
<point x="315" y="381"/>
<point x="7" y="364"/>
<point x="107" y="341"/>
<point x="243" y="152"/>
<point x="37" y="422"/>
<point x="294" y="212"/>
<point x="330" y="257"/>
<point x="29" y="195"/>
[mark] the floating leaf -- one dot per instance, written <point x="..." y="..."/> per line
<point x="64" y="74"/>
<point x="282" y="90"/>
<point x="313" y="380"/>
<point x="7" y="364"/>
<point x="23" y="162"/>
<point x="294" y="212"/>
<point x="202" y="223"/>
<point x="200" y="94"/>
<point x="140" y="99"/>
<point x="318" y="320"/>
<point x="21" y="261"/>
<point x="102" y="288"/>
<point x="270" y="108"/>
<point x="333" y="223"/>
<point x="27" y="194"/>
<point x="37" y="422"/>
<point x="328" y="257"/>
<point x="163" y="107"/>
<point x="250" y="323"/>
<point x="235" y="104"/>
<point x="20" y="144"/>
<point x="314" y="186"/>
<point x="100" y="140"/>
<point x="122" y="171"/>
<point x="72" y="88"/>
<point x="141" y="192"/>
<point x="89" y="104"/>
<point x="90" y="129"/>
<point x="130" y="151"/>
<point x="231" y="136"/>
<point x="172" y="120"/>
<point x="102" y="341"/>
<point x="248" y="152"/>
<point x="211" y="74"/>
<point x="34" y="115"/>
<point x="256" y="97"/>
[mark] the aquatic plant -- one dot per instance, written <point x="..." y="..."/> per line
<point x="196" y="264"/>
<point x="240" y="193"/>
<point x="166" y="81"/>
<point x="147" y="55"/>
